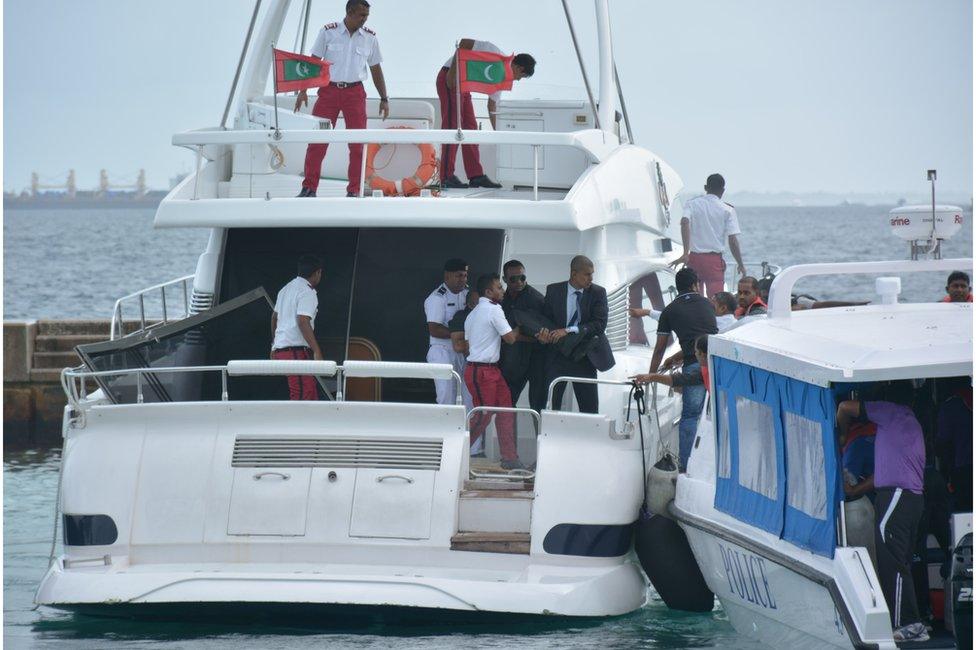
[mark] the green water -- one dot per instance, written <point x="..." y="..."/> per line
<point x="29" y="483"/>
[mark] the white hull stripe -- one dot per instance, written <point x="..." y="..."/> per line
<point x="891" y="508"/>
<point x="898" y="601"/>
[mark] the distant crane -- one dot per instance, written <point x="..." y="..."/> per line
<point x="104" y="186"/>
<point x="69" y="187"/>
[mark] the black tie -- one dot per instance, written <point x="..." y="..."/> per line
<point x="576" y="315"/>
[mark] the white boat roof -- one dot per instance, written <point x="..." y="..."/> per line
<point x="866" y="343"/>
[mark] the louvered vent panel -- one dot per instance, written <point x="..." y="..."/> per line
<point x="390" y="453"/>
<point x="618" y="320"/>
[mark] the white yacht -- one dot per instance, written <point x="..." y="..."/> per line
<point x="189" y="479"/>
<point x="762" y="501"/>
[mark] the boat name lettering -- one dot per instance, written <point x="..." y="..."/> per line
<point x="746" y="574"/>
<point x="901" y="221"/>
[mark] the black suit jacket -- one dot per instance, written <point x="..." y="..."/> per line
<point x="594" y="312"/>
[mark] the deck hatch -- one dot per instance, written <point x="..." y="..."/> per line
<point x="379" y="453"/>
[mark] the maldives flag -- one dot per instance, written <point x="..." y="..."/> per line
<point x="484" y="72"/>
<point x="297" y="71"/>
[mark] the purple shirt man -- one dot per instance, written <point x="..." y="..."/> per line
<point x="899" y="450"/>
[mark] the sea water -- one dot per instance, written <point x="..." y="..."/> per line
<point x="75" y="263"/>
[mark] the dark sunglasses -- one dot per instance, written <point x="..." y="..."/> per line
<point x="516" y="278"/>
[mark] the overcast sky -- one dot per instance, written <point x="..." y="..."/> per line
<point x="834" y="95"/>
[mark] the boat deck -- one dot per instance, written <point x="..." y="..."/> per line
<point x="282" y="186"/>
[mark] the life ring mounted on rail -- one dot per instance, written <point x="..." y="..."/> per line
<point x="409" y="186"/>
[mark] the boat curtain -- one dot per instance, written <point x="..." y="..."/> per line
<point x="777" y="455"/>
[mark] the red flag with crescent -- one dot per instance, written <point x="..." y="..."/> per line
<point x="484" y="72"/>
<point x="297" y="71"/>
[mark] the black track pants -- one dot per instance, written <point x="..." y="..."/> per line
<point x="897" y="514"/>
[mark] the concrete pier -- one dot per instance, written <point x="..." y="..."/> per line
<point x="34" y="353"/>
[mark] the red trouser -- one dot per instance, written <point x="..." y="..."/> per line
<point x="710" y="268"/>
<point x="469" y="152"/>
<point x="351" y="102"/>
<point x="488" y="388"/>
<point x="299" y="386"/>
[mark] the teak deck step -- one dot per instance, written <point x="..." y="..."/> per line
<point x="517" y="543"/>
<point x="480" y="484"/>
<point x="497" y="494"/>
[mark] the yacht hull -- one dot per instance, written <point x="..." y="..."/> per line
<point x="491" y="583"/>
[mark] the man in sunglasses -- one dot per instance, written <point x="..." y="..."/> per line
<point x="525" y="361"/>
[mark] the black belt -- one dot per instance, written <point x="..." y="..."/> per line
<point x="294" y="347"/>
<point x="345" y="84"/>
<point x="493" y="364"/>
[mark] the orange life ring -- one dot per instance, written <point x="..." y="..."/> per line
<point x="409" y="186"/>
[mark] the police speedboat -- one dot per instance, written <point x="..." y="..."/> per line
<point x="762" y="501"/>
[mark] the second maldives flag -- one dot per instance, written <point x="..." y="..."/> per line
<point x="484" y="72"/>
<point x="297" y="71"/>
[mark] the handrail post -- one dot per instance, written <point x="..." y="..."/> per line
<point x="223" y="384"/>
<point x="535" y="172"/>
<point x="162" y="291"/>
<point x="142" y="310"/>
<point x="186" y="299"/>
<point x="139" y="387"/>
<point x="196" y="175"/>
<point x="362" y="173"/>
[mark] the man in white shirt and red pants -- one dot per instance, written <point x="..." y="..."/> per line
<point x="292" y="324"/>
<point x="523" y="65"/>
<point x="350" y="48"/>
<point x="484" y="329"/>
<point x="706" y="224"/>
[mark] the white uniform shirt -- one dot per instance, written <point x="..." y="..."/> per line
<point x="297" y="298"/>
<point x="712" y="221"/>
<point x="483" y="329"/>
<point x="724" y="322"/>
<point x="482" y="46"/>
<point x="349" y="54"/>
<point x="440" y="307"/>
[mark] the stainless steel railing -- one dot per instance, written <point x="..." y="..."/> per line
<point x="74" y="380"/>
<point x="117" y="329"/>
<point x="580" y="380"/>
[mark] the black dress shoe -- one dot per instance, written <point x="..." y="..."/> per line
<point x="306" y="193"/>
<point x="452" y="182"/>
<point x="351" y="195"/>
<point x="484" y="181"/>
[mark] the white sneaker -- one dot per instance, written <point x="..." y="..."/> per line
<point x="912" y="632"/>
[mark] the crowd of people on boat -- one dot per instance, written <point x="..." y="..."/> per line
<point x="907" y="460"/>
<point x="504" y="338"/>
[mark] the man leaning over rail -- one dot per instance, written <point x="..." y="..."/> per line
<point x="292" y="325"/>
<point x="523" y="65"/>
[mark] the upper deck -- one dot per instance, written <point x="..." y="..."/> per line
<point x="564" y="180"/>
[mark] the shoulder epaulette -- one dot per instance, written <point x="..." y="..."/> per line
<point x="442" y="290"/>
<point x="331" y="26"/>
<point x="729" y="204"/>
<point x="369" y="31"/>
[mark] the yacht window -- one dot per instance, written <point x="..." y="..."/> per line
<point x="806" y="481"/>
<point x="757" y="447"/>
<point x="653" y="291"/>
<point x="724" y="446"/>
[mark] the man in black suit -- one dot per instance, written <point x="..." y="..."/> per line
<point x="581" y="308"/>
